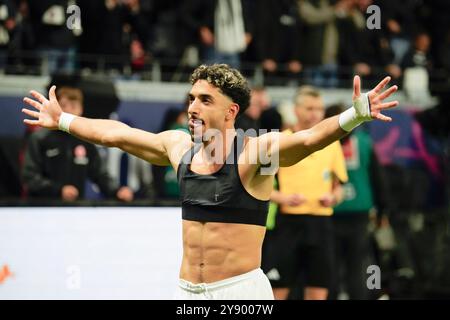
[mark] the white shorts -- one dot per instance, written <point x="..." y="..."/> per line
<point x="252" y="285"/>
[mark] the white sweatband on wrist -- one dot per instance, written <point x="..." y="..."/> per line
<point x="357" y="114"/>
<point x="348" y="120"/>
<point x="64" y="121"/>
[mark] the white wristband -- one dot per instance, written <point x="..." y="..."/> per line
<point x="348" y="120"/>
<point x="64" y="121"/>
<point x="357" y="114"/>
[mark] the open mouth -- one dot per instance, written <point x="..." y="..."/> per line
<point x="195" y="123"/>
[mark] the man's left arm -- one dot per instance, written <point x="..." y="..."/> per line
<point x="366" y="107"/>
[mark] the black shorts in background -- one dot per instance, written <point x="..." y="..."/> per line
<point x="301" y="245"/>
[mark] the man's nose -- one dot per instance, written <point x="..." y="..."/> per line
<point x="193" y="107"/>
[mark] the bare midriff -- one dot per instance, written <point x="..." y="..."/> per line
<point x="216" y="251"/>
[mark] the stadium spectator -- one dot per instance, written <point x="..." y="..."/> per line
<point x="418" y="55"/>
<point x="362" y="194"/>
<point x="303" y="244"/>
<point x="166" y="183"/>
<point x="224" y="28"/>
<point x="55" y="42"/>
<point x="277" y="39"/>
<point x="400" y="22"/>
<point x="251" y="118"/>
<point x="367" y="51"/>
<point x="321" y="38"/>
<point x="58" y="165"/>
<point x="7" y="29"/>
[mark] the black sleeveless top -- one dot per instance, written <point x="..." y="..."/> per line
<point x="219" y="197"/>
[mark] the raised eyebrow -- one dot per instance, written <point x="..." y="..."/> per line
<point x="204" y="96"/>
<point x="201" y="96"/>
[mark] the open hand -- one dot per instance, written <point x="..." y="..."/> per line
<point x="48" y="110"/>
<point x="375" y="99"/>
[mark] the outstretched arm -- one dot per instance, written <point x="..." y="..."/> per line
<point x="160" y="149"/>
<point x="366" y="107"/>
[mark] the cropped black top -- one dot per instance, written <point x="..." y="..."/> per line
<point x="220" y="196"/>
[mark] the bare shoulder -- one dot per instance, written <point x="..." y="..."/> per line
<point x="268" y="138"/>
<point x="263" y="145"/>
<point x="177" y="143"/>
<point x="255" y="166"/>
<point x="260" y="151"/>
<point x="174" y="137"/>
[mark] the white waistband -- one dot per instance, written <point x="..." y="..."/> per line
<point x="205" y="287"/>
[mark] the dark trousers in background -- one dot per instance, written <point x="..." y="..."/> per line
<point x="353" y="255"/>
<point x="299" y="253"/>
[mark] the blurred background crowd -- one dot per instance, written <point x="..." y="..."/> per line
<point x="322" y="42"/>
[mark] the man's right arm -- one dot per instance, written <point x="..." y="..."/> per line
<point x="161" y="149"/>
<point x="154" y="148"/>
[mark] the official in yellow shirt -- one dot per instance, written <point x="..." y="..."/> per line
<point x="303" y="236"/>
<point x="313" y="178"/>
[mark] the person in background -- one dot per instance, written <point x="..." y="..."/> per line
<point x="224" y="28"/>
<point x="367" y="51"/>
<point x="7" y="29"/>
<point x="130" y="171"/>
<point x="419" y="54"/>
<point x="308" y="190"/>
<point x="55" y="42"/>
<point x="400" y="22"/>
<point x="320" y="35"/>
<point x="362" y="194"/>
<point x="57" y="165"/>
<point x="165" y="178"/>
<point x="277" y="39"/>
<point x="251" y="118"/>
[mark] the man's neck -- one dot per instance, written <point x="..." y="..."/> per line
<point x="217" y="149"/>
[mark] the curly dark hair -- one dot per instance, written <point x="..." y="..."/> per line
<point x="228" y="80"/>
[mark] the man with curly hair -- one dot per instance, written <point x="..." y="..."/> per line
<point x="224" y="185"/>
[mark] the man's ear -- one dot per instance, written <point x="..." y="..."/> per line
<point x="232" y="111"/>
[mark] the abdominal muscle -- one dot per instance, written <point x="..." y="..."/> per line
<point x="216" y="251"/>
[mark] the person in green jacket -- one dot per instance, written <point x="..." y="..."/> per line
<point x="362" y="196"/>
